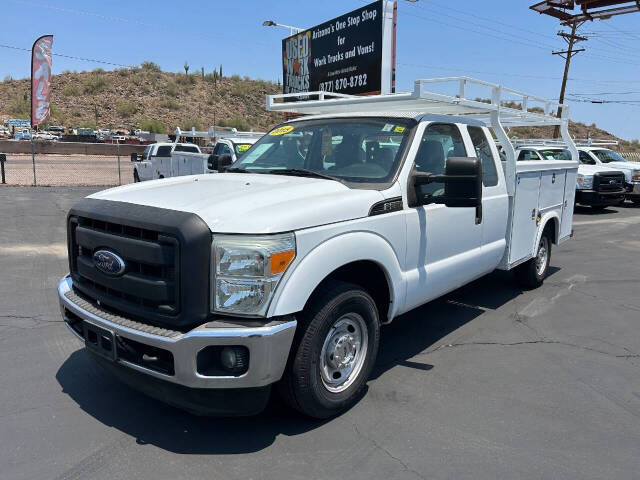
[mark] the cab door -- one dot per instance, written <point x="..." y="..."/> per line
<point x="443" y="243"/>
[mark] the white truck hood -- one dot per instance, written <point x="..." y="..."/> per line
<point x="626" y="167"/>
<point x="590" y="170"/>
<point x="251" y="203"/>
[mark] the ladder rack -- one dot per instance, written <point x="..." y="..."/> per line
<point x="493" y="112"/>
<point x="423" y="100"/>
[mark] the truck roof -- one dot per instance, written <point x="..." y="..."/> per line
<point x="419" y="116"/>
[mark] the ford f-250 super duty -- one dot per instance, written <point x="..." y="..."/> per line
<point x="205" y="291"/>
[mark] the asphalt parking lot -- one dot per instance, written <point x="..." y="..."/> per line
<point x="488" y="382"/>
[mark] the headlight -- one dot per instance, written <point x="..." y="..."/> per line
<point x="635" y="175"/>
<point x="584" y="181"/>
<point x="246" y="270"/>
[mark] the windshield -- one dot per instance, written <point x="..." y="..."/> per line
<point x="147" y="151"/>
<point x="555" y="154"/>
<point x="240" y="148"/>
<point x="607" y="156"/>
<point x="363" y="150"/>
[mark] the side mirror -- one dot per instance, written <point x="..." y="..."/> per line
<point x="462" y="184"/>
<point x="224" y="161"/>
<point x="219" y="162"/>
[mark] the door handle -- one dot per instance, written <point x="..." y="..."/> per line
<point x="553" y="178"/>
<point x="533" y="214"/>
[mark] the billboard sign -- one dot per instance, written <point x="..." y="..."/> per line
<point x="41" y="79"/>
<point x="17" y="122"/>
<point x="350" y="54"/>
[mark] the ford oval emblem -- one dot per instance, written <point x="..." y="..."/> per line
<point x="108" y="262"/>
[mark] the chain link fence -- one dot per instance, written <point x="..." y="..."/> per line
<point x="631" y="156"/>
<point x="58" y="169"/>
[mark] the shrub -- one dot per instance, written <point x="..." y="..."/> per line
<point x="150" y="66"/>
<point x="127" y="109"/>
<point x="8" y="78"/>
<point x="71" y="90"/>
<point x="236" y="122"/>
<point x="172" y="89"/>
<point x="170" y="104"/>
<point x="152" y="126"/>
<point x="20" y="107"/>
<point x="98" y="70"/>
<point x="94" y="84"/>
<point x="241" y="89"/>
<point x="186" y="79"/>
<point x="189" y="124"/>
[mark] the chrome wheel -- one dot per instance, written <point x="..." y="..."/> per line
<point x="543" y="256"/>
<point x="343" y="352"/>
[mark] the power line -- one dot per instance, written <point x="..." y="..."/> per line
<point x="92" y="60"/>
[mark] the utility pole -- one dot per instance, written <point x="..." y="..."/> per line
<point x="571" y="39"/>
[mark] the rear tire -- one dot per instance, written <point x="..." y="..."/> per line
<point x="532" y="273"/>
<point x="334" y="350"/>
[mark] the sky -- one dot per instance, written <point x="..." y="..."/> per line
<point x="499" y="41"/>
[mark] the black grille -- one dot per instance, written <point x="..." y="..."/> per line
<point x="152" y="260"/>
<point x="166" y="254"/>
<point x="608" y="182"/>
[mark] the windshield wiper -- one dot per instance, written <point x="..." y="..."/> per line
<point x="301" y="172"/>
<point x="237" y="170"/>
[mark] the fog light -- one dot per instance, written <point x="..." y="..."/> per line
<point x="234" y="359"/>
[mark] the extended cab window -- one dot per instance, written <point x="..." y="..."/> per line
<point x="187" y="148"/>
<point x="485" y="154"/>
<point x="439" y="142"/>
<point x="164" y="151"/>
<point x="357" y="151"/>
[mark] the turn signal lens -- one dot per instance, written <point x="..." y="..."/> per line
<point x="281" y="260"/>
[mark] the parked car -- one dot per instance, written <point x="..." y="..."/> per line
<point x="5" y="132"/>
<point x="45" y="136"/>
<point x="605" y="157"/>
<point x="22" y="134"/>
<point x="205" y="291"/>
<point x="596" y="186"/>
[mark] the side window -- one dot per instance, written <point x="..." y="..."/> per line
<point x="484" y="153"/>
<point x="439" y="142"/>
<point x="224" y="149"/>
<point x="586" y="158"/>
<point x="164" y="151"/>
<point x="528" y="155"/>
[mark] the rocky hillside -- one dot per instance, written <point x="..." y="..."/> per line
<point x="148" y="98"/>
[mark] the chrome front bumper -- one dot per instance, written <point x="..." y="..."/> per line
<point x="268" y="345"/>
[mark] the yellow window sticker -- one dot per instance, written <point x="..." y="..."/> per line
<point x="281" y="130"/>
<point x="243" y="148"/>
<point x="399" y="129"/>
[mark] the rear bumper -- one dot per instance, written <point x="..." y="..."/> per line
<point x="268" y="346"/>
<point x="590" y="197"/>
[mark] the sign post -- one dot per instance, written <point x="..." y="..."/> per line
<point x="351" y="54"/>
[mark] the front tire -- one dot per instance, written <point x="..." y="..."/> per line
<point x="334" y="350"/>
<point x="532" y="273"/>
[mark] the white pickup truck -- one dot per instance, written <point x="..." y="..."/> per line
<point x="161" y="160"/>
<point x="597" y="185"/>
<point x="205" y="291"/>
<point x="600" y="156"/>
